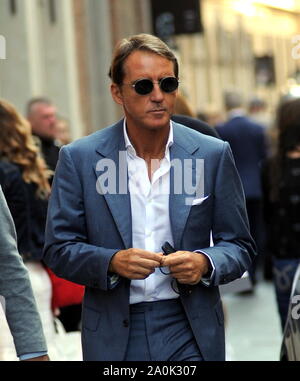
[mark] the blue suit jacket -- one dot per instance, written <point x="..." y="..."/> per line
<point x="85" y="228"/>
<point x="248" y="143"/>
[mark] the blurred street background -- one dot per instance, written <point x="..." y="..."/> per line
<point x="253" y="331"/>
<point x="59" y="52"/>
<point x="62" y="50"/>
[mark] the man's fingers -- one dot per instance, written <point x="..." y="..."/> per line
<point x="174" y="259"/>
<point x="184" y="266"/>
<point x="175" y="270"/>
<point x="135" y="263"/>
<point x="148" y="255"/>
<point x="148" y="263"/>
<point x="140" y="267"/>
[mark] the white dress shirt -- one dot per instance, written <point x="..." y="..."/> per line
<point x="151" y="225"/>
<point x="150" y="219"/>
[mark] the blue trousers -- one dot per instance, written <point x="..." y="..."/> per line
<point x="160" y="331"/>
<point x="284" y="271"/>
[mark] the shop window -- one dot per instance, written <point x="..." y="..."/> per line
<point x="264" y="70"/>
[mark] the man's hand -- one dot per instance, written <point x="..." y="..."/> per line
<point x="135" y="263"/>
<point x="186" y="266"/>
<point x="39" y="358"/>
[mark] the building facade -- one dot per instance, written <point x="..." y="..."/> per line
<point x="62" y="49"/>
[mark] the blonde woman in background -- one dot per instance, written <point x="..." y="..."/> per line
<point x="24" y="179"/>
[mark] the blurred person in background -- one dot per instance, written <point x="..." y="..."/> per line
<point x="18" y="153"/>
<point x="211" y="115"/>
<point x="24" y="176"/>
<point x="19" y="308"/>
<point x="62" y="135"/>
<point x="41" y="113"/>
<point x="281" y="186"/>
<point x="249" y="147"/>
<point x="184" y="114"/>
<point x="50" y="133"/>
<point x="258" y="112"/>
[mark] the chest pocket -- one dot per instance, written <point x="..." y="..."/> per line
<point x="201" y="215"/>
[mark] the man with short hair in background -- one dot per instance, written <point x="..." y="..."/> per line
<point x="41" y="114"/>
<point x="248" y="143"/>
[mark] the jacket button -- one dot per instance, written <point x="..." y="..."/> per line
<point x="125" y="323"/>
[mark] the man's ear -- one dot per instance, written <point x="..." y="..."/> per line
<point x="116" y="93"/>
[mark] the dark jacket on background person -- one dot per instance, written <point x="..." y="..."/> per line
<point x="196" y="124"/>
<point x="248" y="143"/>
<point x="282" y="215"/>
<point x="16" y="197"/>
<point x="49" y="150"/>
<point x="28" y="211"/>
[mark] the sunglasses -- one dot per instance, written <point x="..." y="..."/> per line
<point x="145" y="86"/>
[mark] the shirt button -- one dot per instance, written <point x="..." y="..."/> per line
<point x="125" y="323"/>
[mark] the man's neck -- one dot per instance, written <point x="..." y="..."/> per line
<point x="149" y="144"/>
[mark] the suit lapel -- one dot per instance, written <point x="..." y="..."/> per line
<point x="110" y="147"/>
<point x="112" y="151"/>
<point x="179" y="204"/>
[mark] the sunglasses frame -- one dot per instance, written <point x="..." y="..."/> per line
<point x="159" y="82"/>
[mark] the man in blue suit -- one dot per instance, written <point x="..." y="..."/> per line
<point x="247" y="140"/>
<point x="121" y="193"/>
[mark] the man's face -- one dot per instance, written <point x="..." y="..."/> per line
<point x="43" y="120"/>
<point x="152" y="111"/>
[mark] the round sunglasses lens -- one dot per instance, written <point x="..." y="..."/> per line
<point x="143" y="87"/>
<point x="169" y="84"/>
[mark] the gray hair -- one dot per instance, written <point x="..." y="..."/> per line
<point x="38" y="100"/>
<point x="232" y="99"/>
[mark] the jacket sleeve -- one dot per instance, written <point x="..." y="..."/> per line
<point x="67" y="251"/>
<point x="16" y="292"/>
<point x="234" y="248"/>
